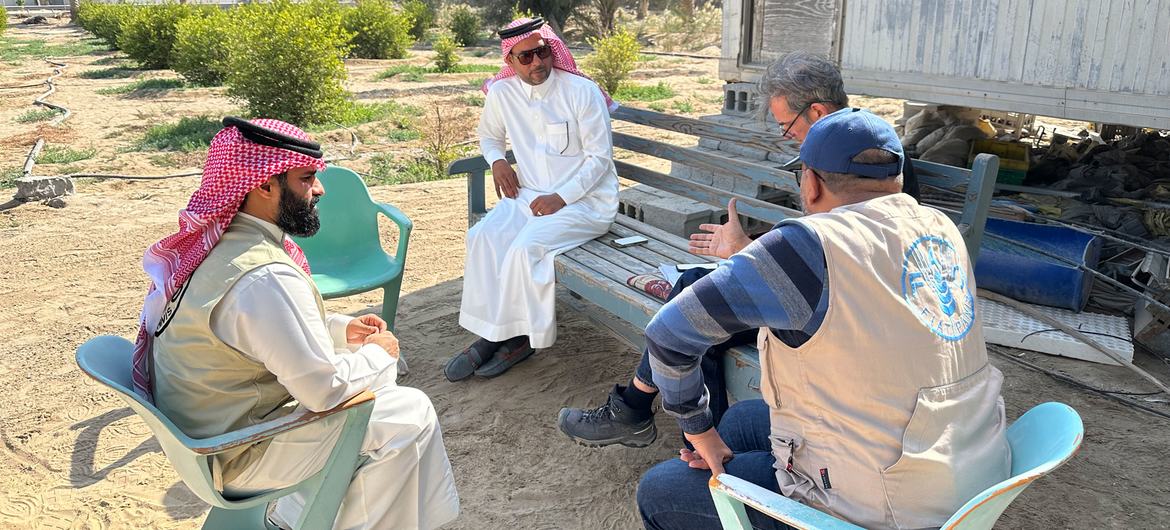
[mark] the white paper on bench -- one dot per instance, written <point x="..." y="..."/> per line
<point x="1006" y="326"/>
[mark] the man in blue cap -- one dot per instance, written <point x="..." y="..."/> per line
<point x="879" y="405"/>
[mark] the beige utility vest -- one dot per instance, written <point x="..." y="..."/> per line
<point x="889" y="416"/>
<point x="204" y="386"/>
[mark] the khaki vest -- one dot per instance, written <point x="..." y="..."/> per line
<point x="202" y="385"/>
<point x="889" y="416"/>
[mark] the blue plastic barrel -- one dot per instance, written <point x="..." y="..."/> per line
<point x="1032" y="277"/>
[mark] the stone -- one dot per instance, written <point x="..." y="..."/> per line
<point x="42" y="188"/>
<point x="679" y="215"/>
<point x="55" y="202"/>
<point x="35" y="20"/>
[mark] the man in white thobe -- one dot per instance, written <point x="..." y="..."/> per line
<point x="241" y="337"/>
<point x="563" y="193"/>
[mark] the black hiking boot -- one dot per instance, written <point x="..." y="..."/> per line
<point x="612" y="423"/>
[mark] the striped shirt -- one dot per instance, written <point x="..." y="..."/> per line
<point x="779" y="281"/>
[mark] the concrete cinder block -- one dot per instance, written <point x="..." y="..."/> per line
<point x="42" y="188"/>
<point x="679" y="215"/>
<point x="752" y="153"/>
<point x="631" y="201"/>
<point x="709" y="143"/>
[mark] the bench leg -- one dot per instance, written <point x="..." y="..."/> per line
<point x="390" y="293"/>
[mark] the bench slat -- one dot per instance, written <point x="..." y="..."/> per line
<point x="639" y="252"/>
<point x="735" y="168"/>
<point x="691" y="126"/>
<point x="754" y="208"/>
<point x="657" y="244"/>
<point x="619" y="257"/>
<point x="615" y="297"/>
<point x="609" y="270"/>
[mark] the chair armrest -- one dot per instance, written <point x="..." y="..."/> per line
<point x="404" y="227"/>
<point x="268" y="429"/>
<point x="775" y="505"/>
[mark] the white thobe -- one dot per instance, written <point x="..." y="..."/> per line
<point x="560" y="136"/>
<point x="404" y="479"/>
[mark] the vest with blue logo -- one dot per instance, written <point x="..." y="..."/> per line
<point x="890" y="415"/>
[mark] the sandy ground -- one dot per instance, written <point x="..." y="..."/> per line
<point x="73" y="456"/>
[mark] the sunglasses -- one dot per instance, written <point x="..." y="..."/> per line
<point x="525" y="57"/>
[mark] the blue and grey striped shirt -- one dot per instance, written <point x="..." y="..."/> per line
<point x="779" y="281"/>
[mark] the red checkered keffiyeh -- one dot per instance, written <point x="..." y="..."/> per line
<point x="234" y="167"/>
<point x="562" y="59"/>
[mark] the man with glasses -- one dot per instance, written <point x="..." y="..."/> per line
<point x="879" y="404"/>
<point x="801" y="89"/>
<point x="563" y="192"/>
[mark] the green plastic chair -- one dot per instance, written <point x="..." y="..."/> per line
<point x="346" y="255"/>
<point x="1043" y="439"/>
<point x="108" y="360"/>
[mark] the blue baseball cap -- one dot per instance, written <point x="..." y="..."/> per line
<point x="834" y="140"/>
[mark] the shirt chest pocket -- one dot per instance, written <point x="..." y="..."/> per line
<point x="562" y="138"/>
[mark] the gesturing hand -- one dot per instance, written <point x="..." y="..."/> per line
<point x="504" y="177"/>
<point x="361" y="327"/>
<point x="710" y="451"/>
<point x="547" y="204"/>
<point x="721" y="240"/>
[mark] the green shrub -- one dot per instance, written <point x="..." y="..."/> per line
<point x="148" y="33"/>
<point x="445" y="57"/>
<point x="188" y="134"/>
<point x="628" y="92"/>
<point x="464" y="26"/>
<point x="103" y="20"/>
<point x="614" y="57"/>
<point x="200" y="54"/>
<point x="36" y="115"/>
<point x="422" y="17"/>
<point x="142" y="86"/>
<point x="381" y="30"/>
<point x="54" y="154"/>
<point x="286" y="60"/>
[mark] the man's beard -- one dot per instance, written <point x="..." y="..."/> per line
<point x="296" y="216"/>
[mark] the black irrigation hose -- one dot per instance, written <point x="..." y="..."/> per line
<point x="1073" y="381"/>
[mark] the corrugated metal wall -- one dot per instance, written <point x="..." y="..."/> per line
<point x="1107" y="45"/>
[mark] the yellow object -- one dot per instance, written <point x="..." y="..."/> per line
<point x="1014" y="158"/>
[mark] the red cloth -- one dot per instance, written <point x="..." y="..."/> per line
<point x="234" y="167"/>
<point x="562" y="59"/>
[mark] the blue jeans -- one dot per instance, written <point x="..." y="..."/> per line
<point x="673" y="495"/>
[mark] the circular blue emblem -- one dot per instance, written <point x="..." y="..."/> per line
<point x="934" y="284"/>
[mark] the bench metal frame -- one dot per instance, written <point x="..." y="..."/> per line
<point x="595" y="273"/>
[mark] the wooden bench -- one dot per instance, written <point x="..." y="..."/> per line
<point x="595" y="273"/>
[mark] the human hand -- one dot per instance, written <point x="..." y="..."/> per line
<point x="361" y="327"/>
<point x="505" y="179"/>
<point x="710" y="452"/>
<point x="386" y="340"/>
<point x="722" y="240"/>
<point x="547" y="204"/>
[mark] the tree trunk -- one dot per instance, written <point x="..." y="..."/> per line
<point x="73" y="11"/>
<point x="687" y="9"/>
<point x="643" y="9"/>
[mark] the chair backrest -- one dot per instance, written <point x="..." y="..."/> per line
<point x="349" y="223"/>
<point x="108" y="360"/>
<point x="1043" y="439"/>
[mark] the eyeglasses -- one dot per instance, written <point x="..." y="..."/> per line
<point x="525" y="57"/>
<point x="810" y="170"/>
<point x="788" y="127"/>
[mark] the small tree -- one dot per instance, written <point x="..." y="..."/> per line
<point x="148" y="33"/>
<point x="465" y="26"/>
<point x="614" y="57"/>
<point x="286" y="60"/>
<point x="422" y="15"/>
<point x="381" y="29"/>
<point x="200" y="54"/>
<point x="446" y="58"/>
